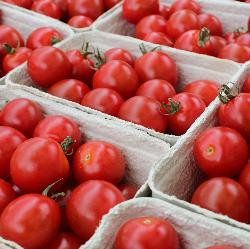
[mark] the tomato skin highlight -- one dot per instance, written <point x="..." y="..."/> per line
<point x="185" y="4"/>
<point x="159" y="38"/>
<point x="217" y="44"/>
<point x="119" y="54"/>
<point x="80" y="21"/>
<point x="211" y="22"/>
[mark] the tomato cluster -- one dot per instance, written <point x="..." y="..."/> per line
<point x="183" y="26"/>
<point x="54" y="187"/>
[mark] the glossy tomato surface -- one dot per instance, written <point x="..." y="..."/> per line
<point x="244" y="39"/>
<point x="80" y="21"/>
<point x="211" y="22"/>
<point x="110" y="3"/>
<point x="244" y="178"/>
<point x="246" y="85"/>
<point x="128" y="190"/>
<point x="22" y="3"/>
<point x="119" y="54"/>
<point x="164" y="11"/>
<point x="7" y="194"/>
<point x="185" y="4"/>
<point x="159" y="38"/>
<point x="217" y="43"/>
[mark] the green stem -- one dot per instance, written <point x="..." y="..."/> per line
<point x="171" y="108"/>
<point x="8" y="48"/>
<point x="226" y="94"/>
<point x="65" y="144"/>
<point x="204" y="37"/>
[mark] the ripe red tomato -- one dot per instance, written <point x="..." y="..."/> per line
<point x="37" y="163"/>
<point x="232" y="36"/>
<point x="244" y="178"/>
<point x="244" y="39"/>
<point x="249" y="24"/>
<point x="89" y="8"/>
<point x="207" y="90"/>
<point x="35" y="220"/>
<point x="183" y="110"/>
<point x="21" y="114"/>
<point x="211" y="22"/>
<point x="104" y="100"/>
<point x="110" y="3"/>
<point x="44" y="36"/>
<point x="217" y="43"/>
<point x="128" y="190"/>
<point x="149" y="24"/>
<point x="156" y="65"/>
<point x="165" y="11"/>
<point x="185" y="4"/>
<point x="119" y="54"/>
<point x="134" y="10"/>
<point x="246" y="85"/>
<point x="224" y="196"/>
<point x="180" y="22"/>
<point x="48" y="65"/>
<point x="22" y="3"/>
<point x="80" y="21"/>
<point x="144" y="111"/>
<point x="7" y="194"/>
<point x="63" y="5"/>
<point x="147" y="233"/>
<point x="159" y="38"/>
<point x="47" y="7"/>
<point x="221" y="247"/>
<point x="117" y="75"/>
<point x="98" y="160"/>
<point x="92" y="197"/>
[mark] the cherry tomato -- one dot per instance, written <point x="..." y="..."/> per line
<point x="180" y="22"/>
<point x="149" y="24"/>
<point x="92" y="197"/>
<point x="232" y="36"/>
<point x="159" y="38"/>
<point x="134" y="10"/>
<point x="246" y="86"/>
<point x="249" y="24"/>
<point x="110" y="3"/>
<point x="147" y="233"/>
<point x="164" y="11"/>
<point x="144" y="111"/>
<point x="128" y="190"/>
<point x="80" y="21"/>
<point x="21" y="114"/>
<point x="244" y="178"/>
<point x="117" y="75"/>
<point x="35" y="220"/>
<point x="217" y="43"/>
<point x="156" y="65"/>
<point x="104" y="100"/>
<point x="224" y="196"/>
<point x="220" y="247"/>
<point x="22" y="3"/>
<point x="98" y="160"/>
<point x="63" y="5"/>
<point x="119" y="54"/>
<point x="37" y="163"/>
<point x="211" y="22"/>
<point x="48" y="65"/>
<point x="207" y="90"/>
<point x="244" y="39"/>
<point x="7" y="194"/>
<point x="185" y="4"/>
<point x="44" y="36"/>
<point x="47" y="7"/>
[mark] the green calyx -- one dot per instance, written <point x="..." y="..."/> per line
<point x="227" y="93"/>
<point x="172" y="107"/>
<point x="8" y="48"/>
<point x="204" y="37"/>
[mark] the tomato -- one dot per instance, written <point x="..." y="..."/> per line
<point x="63" y="5"/>
<point x="7" y="194"/>
<point x="17" y="190"/>
<point x="119" y="54"/>
<point x="185" y="4"/>
<point x="244" y="39"/>
<point x="110" y="3"/>
<point x="98" y="160"/>
<point x="147" y="233"/>
<point x="80" y="21"/>
<point x="144" y="111"/>
<point x="117" y="75"/>
<point x="44" y="36"/>
<point x="128" y="190"/>
<point x="159" y="38"/>
<point x="235" y="114"/>
<point x="159" y="90"/>
<point x="65" y="241"/>
<point x="180" y="22"/>
<point x="207" y="90"/>
<point x="235" y="52"/>
<point x="134" y="10"/>
<point x="183" y="109"/>
<point x="92" y="197"/>
<point x="89" y="8"/>
<point x="211" y="22"/>
<point x="149" y="24"/>
<point x="217" y="43"/>
<point x="244" y="178"/>
<point x="37" y="163"/>
<point x="47" y="7"/>
<point x="224" y="196"/>
<point x="221" y="247"/>
<point x="21" y="114"/>
<point x="35" y="220"/>
<point x="249" y="24"/>
<point x="220" y="151"/>
<point x="164" y="11"/>
<point x="232" y="36"/>
<point x="48" y="65"/>
<point x="15" y="58"/>
<point x="22" y="3"/>
<point x="156" y="65"/>
<point x="104" y="100"/>
<point x="246" y="85"/>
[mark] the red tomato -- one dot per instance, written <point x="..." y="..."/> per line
<point x="89" y="8"/>
<point x="134" y="10"/>
<point x="10" y="138"/>
<point x="220" y="151"/>
<point x="180" y="22"/>
<point x="47" y="7"/>
<point x="220" y="247"/>
<point x="37" y="163"/>
<point x="147" y="233"/>
<point x="63" y="5"/>
<point x="232" y="36"/>
<point x="144" y="111"/>
<point x="48" y="65"/>
<point x="217" y="43"/>
<point x="117" y="75"/>
<point x="224" y="196"/>
<point x="21" y="114"/>
<point x="235" y="114"/>
<point x="156" y="65"/>
<point x="92" y="197"/>
<point x="44" y="36"/>
<point x="35" y="220"/>
<point x="183" y="110"/>
<point x="65" y="241"/>
<point x="211" y="22"/>
<point x="249" y="24"/>
<point x="159" y="38"/>
<point x="98" y="160"/>
<point x="104" y="100"/>
<point x="80" y="21"/>
<point x="149" y="24"/>
<point x="128" y="190"/>
<point x="185" y="4"/>
<point x="15" y="58"/>
<point x="7" y="194"/>
<point x="246" y="86"/>
<point x="244" y="178"/>
<point x="119" y="54"/>
<point x="110" y="3"/>
<point x="244" y="39"/>
<point x="207" y="90"/>
<point x="159" y="90"/>
<point x="22" y="3"/>
<point x="165" y="11"/>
